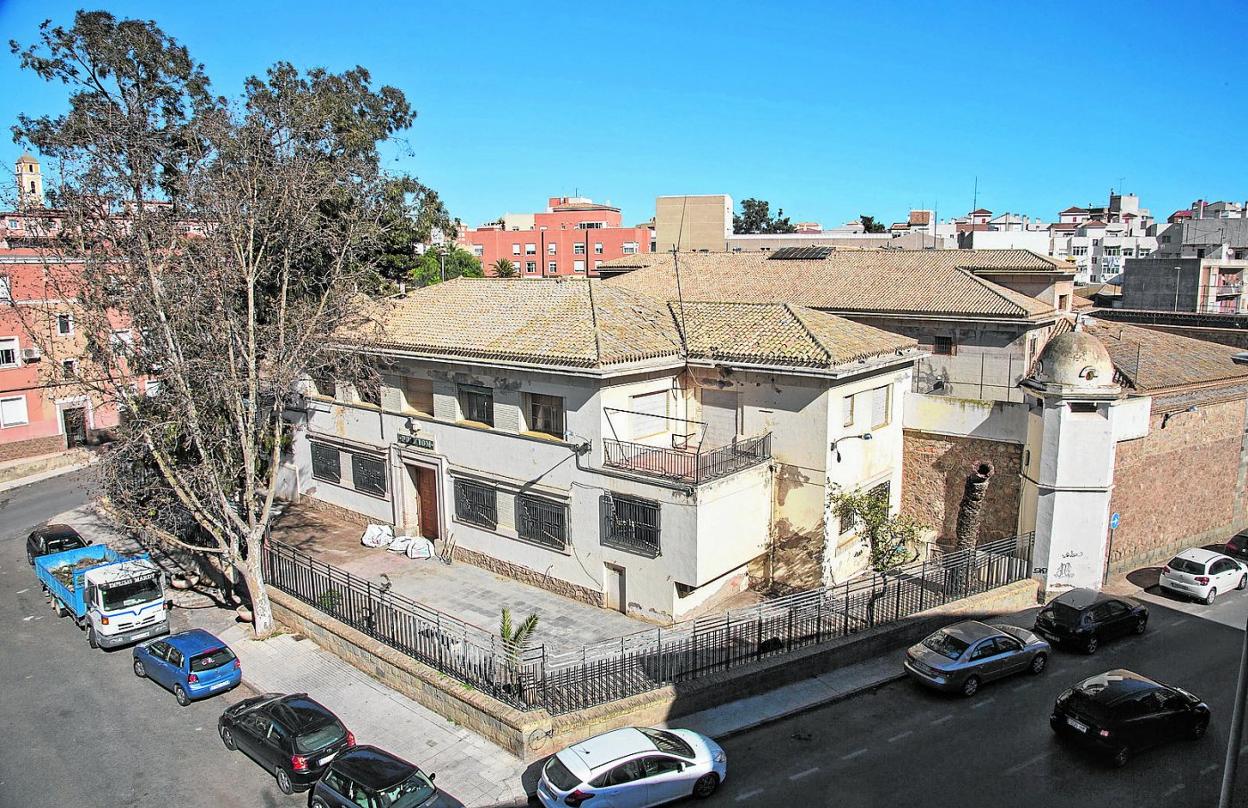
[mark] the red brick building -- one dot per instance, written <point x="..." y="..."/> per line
<point x="574" y="236"/>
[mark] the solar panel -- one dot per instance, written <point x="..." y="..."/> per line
<point x="800" y="253"/>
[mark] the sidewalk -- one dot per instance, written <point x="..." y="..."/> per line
<point x="27" y="470"/>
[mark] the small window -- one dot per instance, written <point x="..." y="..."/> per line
<point x="368" y="475"/>
<point x="368" y="391"/>
<point x="578" y="249"/>
<point x="943" y="346"/>
<point x="546" y="414"/>
<point x="64" y="324"/>
<point x="879" y="406"/>
<point x="476" y="504"/>
<point x="477" y="404"/>
<point x="6" y="288"/>
<point x="478" y="250"/>
<point x="13" y="411"/>
<point x="1082" y="406"/>
<point x="552" y="248"/>
<point x="578" y="266"/>
<point x="542" y="521"/>
<point x="597" y="248"/>
<point x="9" y="352"/>
<point x="629" y="247"/>
<point x="325" y="463"/>
<point x="552" y="268"/>
<point x="847" y="410"/>
<point x="417" y="395"/>
<point x="515" y="249"/>
<point x="630" y="524"/>
<point x="530" y="249"/>
<point x="530" y="266"/>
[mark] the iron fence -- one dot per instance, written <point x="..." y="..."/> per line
<point x="602" y="672"/>
<point x="690" y="467"/>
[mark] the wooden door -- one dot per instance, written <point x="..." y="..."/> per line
<point x="427" y="490"/>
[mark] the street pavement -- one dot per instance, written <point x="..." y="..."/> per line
<point x="905" y="745"/>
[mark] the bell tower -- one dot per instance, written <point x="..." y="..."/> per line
<point x="29" y="182"/>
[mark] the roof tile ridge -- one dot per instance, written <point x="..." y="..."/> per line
<point x="806" y="327"/>
<point x="593" y="319"/>
<point x="995" y="289"/>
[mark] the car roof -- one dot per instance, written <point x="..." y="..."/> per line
<point x="194" y="641"/>
<point x="54" y="530"/>
<point x="970" y="631"/>
<point x="299" y="713"/>
<point x="1083" y="598"/>
<point x="372" y="767"/>
<point x="1199" y="555"/>
<point x="1113" y="686"/>
<point x="609" y="747"/>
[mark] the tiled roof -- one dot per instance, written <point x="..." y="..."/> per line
<point x="1074" y="209"/>
<point x="576" y="322"/>
<point x="848" y="281"/>
<point x="1151" y="360"/>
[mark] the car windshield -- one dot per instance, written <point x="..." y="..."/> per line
<point x="1063" y="614"/>
<point x="57" y="544"/>
<point x="1186" y="565"/>
<point x="132" y="594"/>
<point x="408" y="794"/>
<point x="321" y="737"/>
<point x="669" y="742"/>
<point x="946" y="645"/>
<point x="208" y="660"/>
<point x="559" y="775"/>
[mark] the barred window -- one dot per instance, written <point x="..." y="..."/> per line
<point x="546" y="414"/>
<point x="368" y="474"/>
<point x="477" y="403"/>
<point x="630" y="524"/>
<point x="325" y="465"/>
<point x="849" y="519"/>
<point x="476" y="504"/>
<point x="542" y="521"/>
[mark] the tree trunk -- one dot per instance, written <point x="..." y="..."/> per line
<point x="253" y="576"/>
<point x="970" y="512"/>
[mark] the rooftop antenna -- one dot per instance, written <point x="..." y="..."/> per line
<point x="680" y="298"/>
<point x="975" y="198"/>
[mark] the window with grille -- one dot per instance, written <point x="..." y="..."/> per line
<point x="476" y="504"/>
<point x="542" y="521"/>
<point x="943" y="346"/>
<point x="630" y="524"/>
<point x="368" y="475"/>
<point x="325" y="463"/>
<point x="64" y="324"/>
<point x="546" y="414"/>
<point x="477" y="404"/>
<point x="8" y="352"/>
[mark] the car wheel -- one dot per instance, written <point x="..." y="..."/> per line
<point x="1212" y="596"/>
<point x="1091" y="644"/>
<point x="180" y="695"/>
<point x="1140" y="625"/>
<point x="1038" y="663"/>
<point x="283" y="781"/>
<point x="971" y="686"/>
<point x="706" y="785"/>
<point x="139" y="670"/>
<point x="227" y="738"/>
<point x="1199" y="729"/>
<point x="91" y="638"/>
<point x="317" y="802"/>
<point x="1120" y="757"/>
<point x="1243" y="583"/>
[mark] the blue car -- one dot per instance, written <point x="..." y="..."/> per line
<point x="193" y="664"/>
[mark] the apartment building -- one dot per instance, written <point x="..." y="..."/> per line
<point x="610" y="446"/>
<point x="1200" y="265"/>
<point x="1100" y="239"/>
<point x="574" y="236"/>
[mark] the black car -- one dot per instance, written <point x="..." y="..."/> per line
<point x="1085" y="618"/>
<point x="50" y="539"/>
<point x="371" y="777"/>
<point x="293" y="737"/>
<point x="1237" y="546"/>
<point x="1118" y="713"/>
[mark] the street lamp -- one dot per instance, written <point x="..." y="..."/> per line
<point x="863" y="436"/>
<point x="1237" y="729"/>
<point x="1177" y="270"/>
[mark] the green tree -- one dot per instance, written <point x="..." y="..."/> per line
<point x="891" y="538"/>
<point x="755" y="217"/>
<point x="870" y="225"/>
<point x="459" y="264"/>
<point x="504" y="268"/>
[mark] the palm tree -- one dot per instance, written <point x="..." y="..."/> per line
<point x="503" y="268"/>
<point x="515" y="638"/>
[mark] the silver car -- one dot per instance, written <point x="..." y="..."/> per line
<point x="961" y="657"/>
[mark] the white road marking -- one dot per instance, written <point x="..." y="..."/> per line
<point x="749" y="794"/>
<point x="1029" y="762"/>
<point x="983" y="703"/>
<point x="22" y="591"/>
<point x="1209" y="768"/>
<point x="854" y="754"/>
<point x="1174" y="789"/>
<point x="28" y="618"/>
<point x="942" y="719"/>
<point x="901" y="735"/>
<point x="806" y="773"/>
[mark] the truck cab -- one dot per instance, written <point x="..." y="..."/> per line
<point x="126" y="603"/>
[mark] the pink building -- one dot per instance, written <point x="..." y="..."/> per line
<point x="574" y="236"/>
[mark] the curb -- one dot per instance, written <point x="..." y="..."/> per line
<point x="807" y="708"/>
<point x="21" y="482"/>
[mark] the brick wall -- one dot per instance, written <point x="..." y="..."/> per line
<point x="29" y="448"/>
<point x="1180" y="486"/>
<point x="933" y="478"/>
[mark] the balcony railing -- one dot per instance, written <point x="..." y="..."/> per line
<point x="1228" y="289"/>
<point x="688" y="467"/>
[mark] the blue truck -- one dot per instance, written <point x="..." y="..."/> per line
<point x="116" y="599"/>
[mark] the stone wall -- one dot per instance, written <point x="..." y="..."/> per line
<point x="934" y="472"/>
<point x="14" y="450"/>
<point x="528" y="576"/>
<point x="1180" y="486"/>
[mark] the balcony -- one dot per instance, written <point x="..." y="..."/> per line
<point x="693" y="468"/>
<point x="1228" y="289"/>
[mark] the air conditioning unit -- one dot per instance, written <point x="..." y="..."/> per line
<point x="31" y="354"/>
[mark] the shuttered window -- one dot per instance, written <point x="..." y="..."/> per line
<point x="368" y="475"/>
<point x="417" y="395"/>
<point x="542" y="521"/>
<point x="630" y="524"/>
<point x="847" y="411"/>
<point x="647" y="416"/>
<point x="476" y="504"/>
<point x="879" y="406"/>
<point x="325" y="463"/>
<point x="13" y="411"/>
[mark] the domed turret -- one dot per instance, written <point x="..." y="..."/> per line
<point x="1075" y="363"/>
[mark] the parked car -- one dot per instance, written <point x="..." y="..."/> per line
<point x="193" y="664"/>
<point x="366" y="775"/>
<point x="1237" y="546"/>
<point x="1085" y="618"/>
<point x="1202" y="574"/>
<point x="291" y="736"/>
<point x="633" y="768"/>
<point x="49" y="539"/>
<point x="1118" y="713"/>
<point x="961" y="657"/>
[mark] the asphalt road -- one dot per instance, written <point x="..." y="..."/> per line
<point x="903" y="745"/>
<point x="79" y="728"/>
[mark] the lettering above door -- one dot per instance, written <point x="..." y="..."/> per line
<point x="417" y="442"/>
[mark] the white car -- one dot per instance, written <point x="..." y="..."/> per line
<point x="1202" y="574"/>
<point x="633" y="767"/>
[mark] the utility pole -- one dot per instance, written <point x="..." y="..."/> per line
<point x="1229" y="769"/>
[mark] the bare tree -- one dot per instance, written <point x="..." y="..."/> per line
<point x="209" y="251"/>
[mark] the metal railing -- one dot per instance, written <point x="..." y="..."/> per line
<point x="689" y="467"/>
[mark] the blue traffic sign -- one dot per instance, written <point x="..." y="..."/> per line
<point x="1114" y="521"/>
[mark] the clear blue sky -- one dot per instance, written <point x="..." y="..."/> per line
<point x="825" y="111"/>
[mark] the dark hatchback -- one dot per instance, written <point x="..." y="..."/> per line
<point x="292" y="737"/>
<point x="1237" y="546"/>
<point x="1119" y="713"/>
<point x="1085" y="618"/>
<point x="370" y="777"/>
<point x="50" y="539"/>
